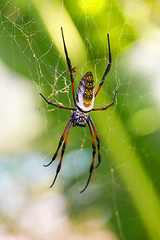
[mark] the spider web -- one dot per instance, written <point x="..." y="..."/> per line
<point x="122" y="196"/>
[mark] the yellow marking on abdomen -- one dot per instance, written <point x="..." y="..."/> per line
<point x="88" y="94"/>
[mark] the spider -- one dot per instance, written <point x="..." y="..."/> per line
<point x="73" y="70"/>
<point x="84" y="102"/>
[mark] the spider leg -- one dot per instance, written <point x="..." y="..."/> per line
<point x="98" y="141"/>
<point x="108" y="67"/>
<point x="93" y="155"/>
<point x="69" y="67"/>
<point x="58" y="106"/>
<point x="99" y="109"/>
<point x="62" y="153"/>
<point x="60" y="142"/>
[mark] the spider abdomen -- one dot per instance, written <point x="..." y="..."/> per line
<point x="79" y="118"/>
<point x="85" y="93"/>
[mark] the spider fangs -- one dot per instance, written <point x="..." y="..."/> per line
<point x="84" y="103"/>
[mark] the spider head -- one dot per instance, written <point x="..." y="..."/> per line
<point x="80" y="118"/>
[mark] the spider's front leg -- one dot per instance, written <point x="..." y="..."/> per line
<point x="62" y="153"/>
<point x="60" y="142"/>
<point x="93" y="155"/>
<point x="98" y="141"/>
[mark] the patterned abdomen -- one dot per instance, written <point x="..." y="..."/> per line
<point x="85" y="92"/>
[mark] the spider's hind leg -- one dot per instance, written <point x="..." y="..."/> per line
<point x="107" y="69"/>
<point x="69" y="66"/>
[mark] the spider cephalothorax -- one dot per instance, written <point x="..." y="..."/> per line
<point x="84" y="103"/>
<point x="79" y="118"/>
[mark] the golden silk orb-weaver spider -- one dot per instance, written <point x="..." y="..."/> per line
<point x="84" y="102"/>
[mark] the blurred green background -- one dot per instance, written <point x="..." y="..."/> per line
<point x="122" y="199"/>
